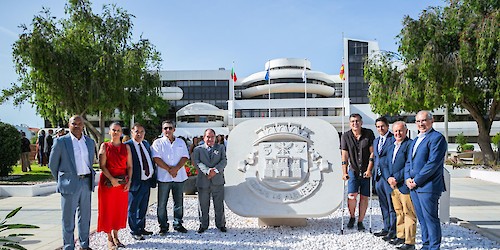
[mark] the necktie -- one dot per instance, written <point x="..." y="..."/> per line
<point x="380" y="144"/>
<point x="145" y="165"/>
<point x="210" y="152"/>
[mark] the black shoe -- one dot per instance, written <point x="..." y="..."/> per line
<point x="397" y="241"/>
<point x="144" y="232"/>
<point x="389" y="237"/>
<point x="381" y="233"/>
<point x="202" y="229"/>
<point x="361" y="227"/>
<point x="406" y="247"/>
<point x="180" y="229"/>
<point x="223" y="229"/>
<point x="163" y="232"/>
<point x="351" y="223"/>
<point x="137" y="237"/>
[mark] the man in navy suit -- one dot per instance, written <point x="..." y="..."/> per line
<point x="380" y="146"/>
<point x="397" y="155"/>
<point x="143" y="179"/>
<point x="424" y="177"/>
<point x="71" y="165"/>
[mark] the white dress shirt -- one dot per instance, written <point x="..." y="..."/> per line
<point x="81" y="153"/>
<point x="149" y="163"/>
<point x="397" y="145"/>
<point x="420" y="138"/>
<point x="171" y="154"/>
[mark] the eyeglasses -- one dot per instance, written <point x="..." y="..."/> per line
<point x="168" y="128"/>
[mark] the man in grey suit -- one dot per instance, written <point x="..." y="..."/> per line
<point x="210" y="159"/>
<point x="71" y="162"/>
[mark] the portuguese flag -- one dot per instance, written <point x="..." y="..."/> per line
<point x="233" y="75"/>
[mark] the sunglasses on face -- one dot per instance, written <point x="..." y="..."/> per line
<point x="168" y="128"/>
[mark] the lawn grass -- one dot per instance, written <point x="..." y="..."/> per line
<point x="36" y="175"/>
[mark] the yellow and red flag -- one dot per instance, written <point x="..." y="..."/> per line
<point x="342" y="72"/>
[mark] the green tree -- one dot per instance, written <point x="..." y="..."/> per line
<point x="85" y="64"/>
<point x="448" y="56"/>
<point x="10" y="148"/>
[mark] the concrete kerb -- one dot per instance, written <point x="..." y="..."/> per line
<point x="479" y="230"/>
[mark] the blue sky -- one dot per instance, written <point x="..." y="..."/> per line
<point x="212" y="34"/>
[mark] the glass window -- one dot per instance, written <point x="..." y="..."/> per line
<point x="182" y="83"/>
<point x="195" y="83"/>
<point x="208" y="83"/>
<point x="222" y="83"/>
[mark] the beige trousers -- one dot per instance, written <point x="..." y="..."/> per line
<point x="406" y="224"/>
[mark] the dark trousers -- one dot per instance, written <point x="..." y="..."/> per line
<point x="137" y="207"/>
<point x="384" y="191"/>
<point x="426" y="206"/>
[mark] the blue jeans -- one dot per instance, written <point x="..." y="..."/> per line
<point x="178" y="195"/>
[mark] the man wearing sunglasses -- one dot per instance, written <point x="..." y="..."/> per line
<point x="170" y="154"/>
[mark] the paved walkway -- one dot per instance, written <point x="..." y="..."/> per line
<point x="474" y="203"/>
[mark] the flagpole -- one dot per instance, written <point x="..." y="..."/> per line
<point x="232" y="78"/>
<point x="304" y="78"/>
<point x="343" y="86"/>
<point x="269" y="86"/>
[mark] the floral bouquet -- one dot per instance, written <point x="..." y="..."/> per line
<point x="190" y="169"/>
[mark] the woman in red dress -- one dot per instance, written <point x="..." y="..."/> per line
<point x="115" y="161"/>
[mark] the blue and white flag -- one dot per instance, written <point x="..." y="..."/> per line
<point x="267" y="74"/>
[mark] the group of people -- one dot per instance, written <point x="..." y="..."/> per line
<point x="129" y="170"/>
<point x="408" y="178"/>
<point x="43" y="144"/>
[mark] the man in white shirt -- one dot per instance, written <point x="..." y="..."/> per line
<point x="170" y="154"/>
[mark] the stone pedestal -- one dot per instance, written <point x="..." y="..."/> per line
<point x="190" y="185"/>
<point x="291" y="222"/>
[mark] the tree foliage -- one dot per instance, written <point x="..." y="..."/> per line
<point x="450" y="57"/>
<point x="10" y="148"/>
<point x="84" y="64"/>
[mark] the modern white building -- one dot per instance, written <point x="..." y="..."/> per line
<point x="290" y="89"/>
<point x="283" y="94"/>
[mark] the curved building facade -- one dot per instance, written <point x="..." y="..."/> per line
<point x="288" y="87"/>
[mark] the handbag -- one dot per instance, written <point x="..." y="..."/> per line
<point x="122" y="179"/>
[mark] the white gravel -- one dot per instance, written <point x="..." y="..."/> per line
<point x="244" y="233"/>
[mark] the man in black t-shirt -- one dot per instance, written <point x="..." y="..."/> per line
<point x="357" y="164"/>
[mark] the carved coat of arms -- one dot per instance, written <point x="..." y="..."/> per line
<point x="283" y="165"/>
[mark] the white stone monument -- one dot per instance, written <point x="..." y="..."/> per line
<point x="283" y="170"/>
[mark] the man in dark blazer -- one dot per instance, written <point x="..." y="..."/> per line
<point x="424" y="177"/>
<point x="71" y="165"/>
<point x="143" y="179"/>
<point x="380" y="146"/>
<point x="210" y="159"/>
<point x="397" y="155"/>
